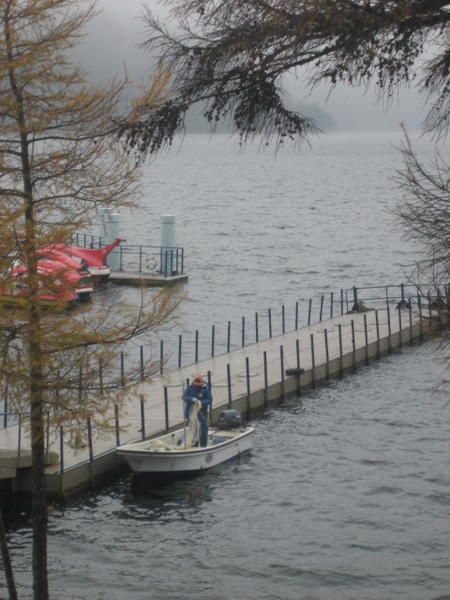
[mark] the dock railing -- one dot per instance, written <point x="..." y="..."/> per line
<point x="14" y="421"/>
<point x="139" y="258"/>
<point x="405" y="303"/>
<point x="191" y="347"/>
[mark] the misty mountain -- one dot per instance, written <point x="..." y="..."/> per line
<point x="196" y="123"/>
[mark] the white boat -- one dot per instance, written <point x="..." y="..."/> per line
<point x="167" y="454"/>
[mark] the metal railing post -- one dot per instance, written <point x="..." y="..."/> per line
<point x="180" y="349"/>
<point x="61" y="450"/>
<point x="141" y="360"/>
<point x="19" y="435"/>
<point x="90" y="446"/>
<point x="5" y="412"/>
<point x="327" y="353"/>
<point x="166" y="407"/>
<point x="196" y="347"/>
<point x="282" y="368"/>
<point x="122" y="369"/>
<point x="247" y="375"/>
<point x="116" y="424"/>
<point x="266" y="377"/>
<point x="313" y="360"/>
<point x="355" y="297"/>
<point x="410" y="324"/>
<point x="229" y="384"/>
<point x="377" y="325"/>
<point x="142" y="407"/>
<point x="366" y="338"/>
<point x="297" y="351"/>
<point x="400" y="336"/>
<point x="419" y="304"/>
<point x="388" y="314"/>
<point x="47" y="431"/>
<point x="352" y="323"/>
<point x="341" y="352"/>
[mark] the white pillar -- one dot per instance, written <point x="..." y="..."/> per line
<point x="111" y="227"/>
<point x="168" y="242"/>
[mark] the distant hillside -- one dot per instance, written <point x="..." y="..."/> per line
<point x="314" y="111"/>
<point x="196" y="123"/>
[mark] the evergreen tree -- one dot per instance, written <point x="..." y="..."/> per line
<point x="60" y="160"/>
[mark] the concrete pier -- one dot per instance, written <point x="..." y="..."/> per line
<point x="248" y="378"/>
<point x="146" y="279"/>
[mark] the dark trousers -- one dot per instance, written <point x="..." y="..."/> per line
<point x="203" y="420"/>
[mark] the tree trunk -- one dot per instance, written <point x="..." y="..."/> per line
<point x="39" y="514"/>
<point x="7" y="562"/>
<point x="39" y="499"/>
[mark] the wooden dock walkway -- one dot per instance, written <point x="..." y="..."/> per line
<point x="247" y="378"/>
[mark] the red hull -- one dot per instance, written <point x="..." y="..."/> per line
<point x="94" y="257"/>
<point x="73" y="264"/>
<point x="57" y="283"/>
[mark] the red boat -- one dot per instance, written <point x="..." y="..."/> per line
<point x="57" y="284"/>
<point x="94" y="257"/>
<point x="84" y="289"/>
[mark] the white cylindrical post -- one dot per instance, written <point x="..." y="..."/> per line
<point x="111" y="229"/>
<point x="168" y="242"/>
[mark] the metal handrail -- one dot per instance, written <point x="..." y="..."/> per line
<point x="165" y="260"/>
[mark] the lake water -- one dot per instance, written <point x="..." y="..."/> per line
<point x="261" y="230"/>
<point x="346" y="494"/>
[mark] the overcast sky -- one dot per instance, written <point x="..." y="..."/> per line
<point x="113" y="40"/>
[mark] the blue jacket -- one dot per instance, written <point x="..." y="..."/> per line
<point x="202" y="393"/>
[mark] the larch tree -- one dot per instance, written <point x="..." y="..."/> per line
<point x="230" y="58"/>
<point x="60" y="160"/>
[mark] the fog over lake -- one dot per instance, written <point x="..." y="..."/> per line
<point x="115" y="34"/>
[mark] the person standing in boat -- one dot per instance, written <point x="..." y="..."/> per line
<point x="199" y="390"/>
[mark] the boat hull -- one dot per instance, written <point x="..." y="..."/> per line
<point x="99" y="274"/>
<point x="144" y="461"/>
<point x="10" y="301"/>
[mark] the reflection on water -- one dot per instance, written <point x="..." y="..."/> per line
<point x="191" y="491"/>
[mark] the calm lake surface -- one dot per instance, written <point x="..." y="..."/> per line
<point x="346" y="494"/>
<point x="262" y="229"/>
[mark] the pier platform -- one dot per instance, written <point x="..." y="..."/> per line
<point x="146" y="279"/>
<point x="248" y="378"/>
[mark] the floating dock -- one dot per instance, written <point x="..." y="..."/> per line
<point x="146" y="279"/>
<point x="248" y="378"/>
